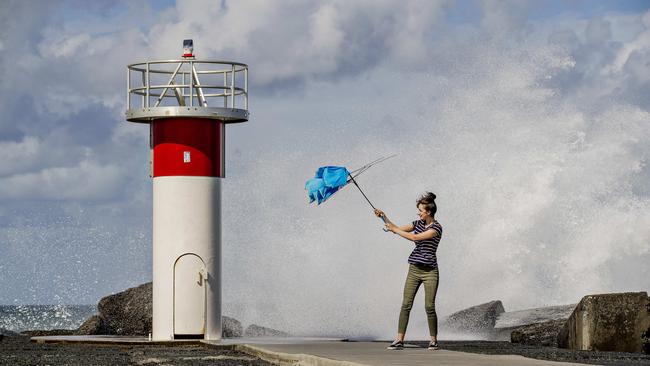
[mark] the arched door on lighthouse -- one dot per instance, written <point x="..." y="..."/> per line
<point x="189" y="297"/>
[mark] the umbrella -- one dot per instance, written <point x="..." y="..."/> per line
<point x="330" y="179"/>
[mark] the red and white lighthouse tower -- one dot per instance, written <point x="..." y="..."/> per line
<point x="187" y="104"/>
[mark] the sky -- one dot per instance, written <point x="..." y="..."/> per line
<point x="529" y="120"/>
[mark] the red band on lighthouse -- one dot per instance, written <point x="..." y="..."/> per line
<point x="188" y="147"/>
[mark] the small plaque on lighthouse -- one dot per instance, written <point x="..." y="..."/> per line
<point x="186" y="156"/>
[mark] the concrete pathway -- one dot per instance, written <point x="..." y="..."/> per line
<point x="324" y="352"/>
<point x="332" y="353"/>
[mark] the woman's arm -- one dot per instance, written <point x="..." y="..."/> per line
<point x="429" y="234"/>
<point x="407" y="227"/>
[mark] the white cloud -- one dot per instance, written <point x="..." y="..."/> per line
<point x="85" y="181"/>
<point x="640" y="43"/>
<point x="298" y="40"/>
<point x="74" y="46"/>
<point x="17" y="156"/>
<point x="504" y="17"/>
<point x="326" y="38"/>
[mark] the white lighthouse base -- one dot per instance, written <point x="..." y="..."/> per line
<point x="186" y="258"/>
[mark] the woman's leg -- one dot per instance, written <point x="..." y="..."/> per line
<point x="410" y="289"/>
<point x="430" y="281"/>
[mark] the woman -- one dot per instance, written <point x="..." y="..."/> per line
<point x="423" y="266"/>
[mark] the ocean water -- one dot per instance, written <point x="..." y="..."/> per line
<point x="18" y="318"/>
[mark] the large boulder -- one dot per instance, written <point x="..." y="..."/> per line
<point x="255" y="330"/>
<point x="231" y="327"/>
<point x="509" y="321"/>
<point x="47" y="332"/>
<point x="92" y="325"/>
<point x="538" y="334"/>
<point x="646" y="340"/>
<point x="608" y="322"/>
<point x="130" y="313"/>
<point x="8" y="333"/>
<point x="477" y="321"/>
<point x="515" y="319"/>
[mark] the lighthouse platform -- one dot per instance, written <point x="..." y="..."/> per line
<point x="322" y="351"/>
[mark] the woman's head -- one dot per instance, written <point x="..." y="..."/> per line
<point x="426" y="205"/>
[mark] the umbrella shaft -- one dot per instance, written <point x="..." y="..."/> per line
<point x="364" y="195"/>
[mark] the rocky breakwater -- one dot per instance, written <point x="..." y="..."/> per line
<point x="476" y="322"/>
<point x="537" y="326"/>
<point x="125" y="313"/>
<point x="255" y="330"/>
<point x="490" y="321"/>
<point x="130" y="313"/>
<point x="609" y="322"/>
<point x="538" y="334"/>
<point x="5" y="332"/>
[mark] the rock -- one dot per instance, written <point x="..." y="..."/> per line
<point x="255" y="330"/>
<point x="478" y="320"/>
<point x="92" y="325"/>
<point x="8" y="333"/>
<point x="538" y="334"/>
<point x="509" y="321"/>
<point x="48" y="332"/>
<point x="128" y="312"/>
<point x="646" y="341"/>
<point x="516" y="319"/>
<point x="608" y="322"/>
<point x="230" y="327"/>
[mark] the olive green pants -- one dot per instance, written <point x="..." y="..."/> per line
<point x="420" y="275"/>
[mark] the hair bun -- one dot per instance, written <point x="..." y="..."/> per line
<point x="428" y="199"/>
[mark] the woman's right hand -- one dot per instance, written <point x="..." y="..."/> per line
<point x="379" y="213"/>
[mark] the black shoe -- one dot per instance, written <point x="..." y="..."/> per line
<point x="433" y="345"/>
<point x="397" y="345"/>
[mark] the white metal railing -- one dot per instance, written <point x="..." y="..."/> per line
<point x="188" y="82"/>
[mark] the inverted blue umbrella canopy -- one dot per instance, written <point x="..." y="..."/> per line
<point x="331" y="179"/>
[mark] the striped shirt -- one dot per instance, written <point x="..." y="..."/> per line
<point x="425" y="250"/>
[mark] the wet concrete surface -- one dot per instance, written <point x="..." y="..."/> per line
<point x="544" y="353"/>
<point x="19" y="350"/>
<point x="107" y="350"/>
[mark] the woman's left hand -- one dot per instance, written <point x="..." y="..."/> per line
<point x="390" y="226"/>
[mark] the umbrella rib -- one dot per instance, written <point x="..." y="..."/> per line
<point x="356" y="172"/>
<point x="366" y="166"/>
<point x="370" y="164"/>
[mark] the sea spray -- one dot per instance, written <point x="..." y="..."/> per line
<point x="18" y="318"/>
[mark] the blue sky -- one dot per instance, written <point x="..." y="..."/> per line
<point x="528" y="119"/>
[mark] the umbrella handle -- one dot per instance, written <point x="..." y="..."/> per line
<point x="384" y="220"/>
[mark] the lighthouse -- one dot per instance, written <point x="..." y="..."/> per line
<point x="187" y="104"/>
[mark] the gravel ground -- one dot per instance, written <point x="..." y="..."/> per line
<point x="18" y="350"/>
<point x="544" y="353"/>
